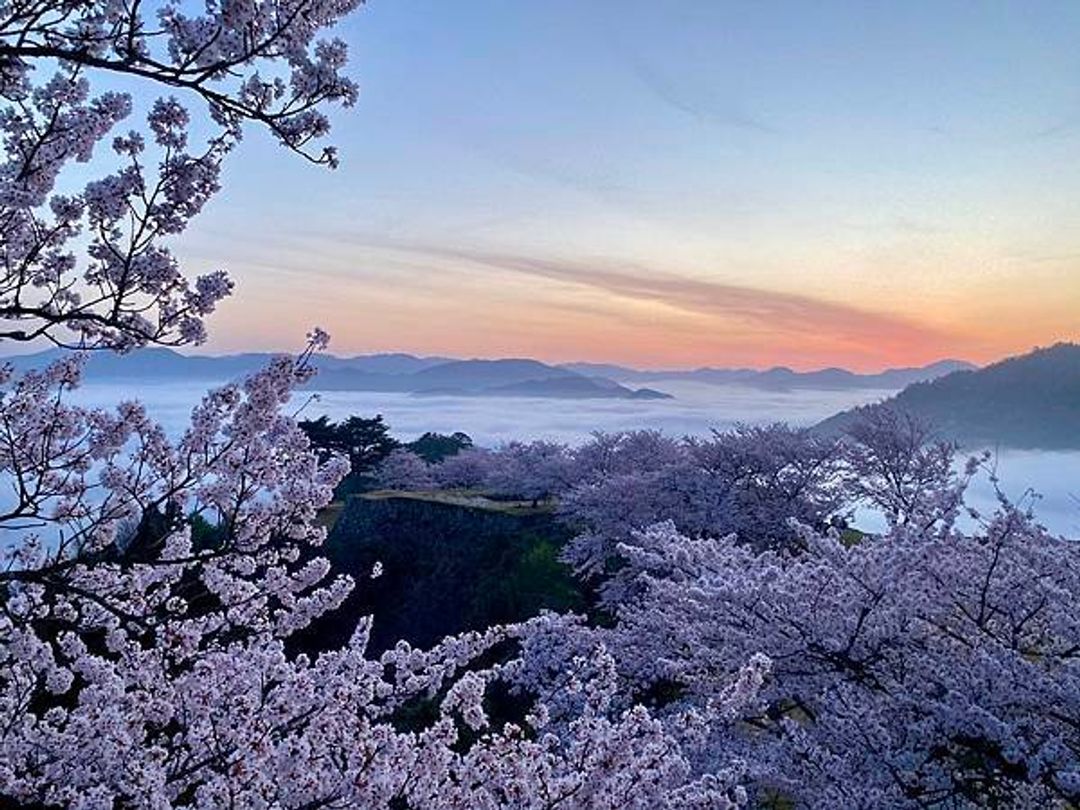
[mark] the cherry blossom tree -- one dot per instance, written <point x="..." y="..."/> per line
<point x="403" y="469"/>
<point x="751" y="480"/>
<point x="625" y="452"/>
<point x="151" y="670"/>
<point x="750" y="651"/>
<point x="897" y="466"/>
<point x="144" y="665"/>
<point x="929" y="666"/>
<point x="467" y="469"/>
<point x="530" y="470"/>
<point x="257" y="62"/>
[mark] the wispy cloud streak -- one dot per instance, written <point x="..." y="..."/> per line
<point x="705" y="108"/>
<point x="769" y="310"/>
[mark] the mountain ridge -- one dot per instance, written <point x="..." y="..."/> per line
<point x="511" y="376"/>
<point x="782" y="377"/>
<point x="398" y="372"/>
<point x="1027" y="401"/>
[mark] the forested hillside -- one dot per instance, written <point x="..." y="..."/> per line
<point x="1029" y="401"/>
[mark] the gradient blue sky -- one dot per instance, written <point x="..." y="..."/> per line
<point x="675" y="183"/>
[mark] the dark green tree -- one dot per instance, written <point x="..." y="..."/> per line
<point x="434" y="447"/>
<point x="365" y="442"/>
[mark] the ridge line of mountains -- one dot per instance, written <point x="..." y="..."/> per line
<point x="431" y="376"/>
<point x="1028" y="401"/>
<point x="1031" y="401"/>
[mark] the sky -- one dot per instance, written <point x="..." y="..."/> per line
<point x="674" y="184"/>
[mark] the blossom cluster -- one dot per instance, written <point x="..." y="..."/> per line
<point x="144" y="665"/>
<point x="129" y="289"/>
<point x="748" y="646"/>
<point x="933" y="664"/>
<point x="749" y="480"/>
<point x="908" y="669"/>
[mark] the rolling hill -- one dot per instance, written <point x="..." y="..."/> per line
<point x="1029" y="401"/>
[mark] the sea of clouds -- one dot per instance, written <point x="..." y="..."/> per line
<point x="696" y="409"/>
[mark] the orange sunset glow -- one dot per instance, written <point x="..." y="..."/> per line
<point x="820" y="194"/>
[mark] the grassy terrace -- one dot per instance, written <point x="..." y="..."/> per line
<point x="472" y="499"/>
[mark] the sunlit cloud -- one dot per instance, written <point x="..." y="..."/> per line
<point x="780" y="312"/>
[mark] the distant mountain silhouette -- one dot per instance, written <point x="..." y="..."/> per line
<point x="406" y="373"/>
<point x="473" y="374"/>
<point x="781" y="378"/>
<point x="576" y="387"/>
<point x="509" y="377"/>
<point x="149" y="364"/>
<point x="392" y="363"/>
<point x="159" y="363"/>
<point x="383" y="372"/>
<point x="1029" y="401"/>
